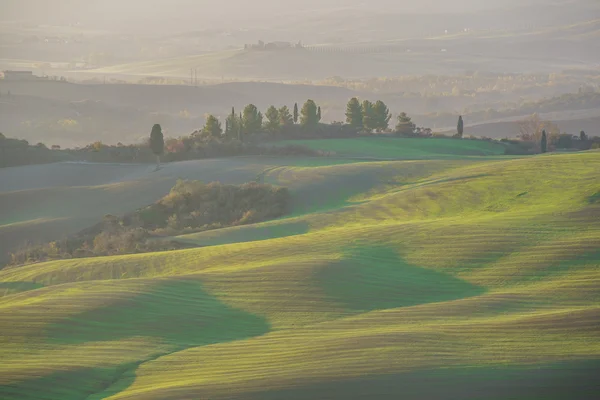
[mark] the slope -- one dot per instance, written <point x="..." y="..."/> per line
<point x="438" y="271"/>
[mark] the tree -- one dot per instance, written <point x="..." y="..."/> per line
<point x="354" y="113"/>
<point x="272" y="124"/>
<point x="405" y="126"/>
<point x="295" y="113"/>
<point x="530" y="129"/>
<point x="544" y="142"/>
<point x="319" y="114"/>
<point x="231" y="124"/>
<point x="285" y="117"/>
<point x="252" y="119"/>
<point x="157" y="143"/>
<point x="368" y="119"/>
<point x="564" y="141"/>
<point x="308" y="115"/>
<point x="460" y="127"/>
<point x="582" y="136"/>
<point x="212" y="126"/>
<point x="382" y="116"/>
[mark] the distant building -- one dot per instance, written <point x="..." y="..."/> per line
<point x="19" y="76"/>
<point x="278" y="45"/>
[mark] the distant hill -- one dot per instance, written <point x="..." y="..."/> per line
<point x="73" y="114"/>
<point x="522" y="49"/>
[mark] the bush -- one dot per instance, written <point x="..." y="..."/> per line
<point x="190" y="206"/>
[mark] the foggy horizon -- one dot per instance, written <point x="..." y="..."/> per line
<point x="132" y="14"/>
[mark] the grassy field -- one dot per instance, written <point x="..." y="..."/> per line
<point x="410" y="149"/>
<point x="459" y="277"/>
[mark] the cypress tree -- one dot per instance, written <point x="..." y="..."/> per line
<point x="460" y="127"/>
<point x="157" y="143"/>
<point x="544" y="142"/>
<point x="295" y="113"/>
<point x="231" y="124"/>
<point x="368" y="120"/>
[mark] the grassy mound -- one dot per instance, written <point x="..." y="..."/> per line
<point x="455" y="278"/>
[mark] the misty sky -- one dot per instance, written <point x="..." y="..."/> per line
<point x="110" y="13"/>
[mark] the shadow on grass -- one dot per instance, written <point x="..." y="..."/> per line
<point x="76" y="384"/>
<point x="576" y="380"/>
<point x="595" y="198"/>
<point x="179" y="312"/>
<point x="562" y="267"/>
<point x="7" y="288"/>
<point x="376" y="278"/>
<point x="248" y="233"/>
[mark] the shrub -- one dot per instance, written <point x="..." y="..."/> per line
<point x="190" y="206"/>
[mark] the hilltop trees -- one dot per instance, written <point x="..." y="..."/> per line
<point x="381" y="116"/>
<point x="367" y="116"/>
<point x="231" y="124"/>
<point x="354" y="114"/>
<point x="295" y="113"/>
<point x="368" y="119"/>
<point x="308" y="115"/>
<point x="319" y="114"/>
<point x="285" y="117"/>
<point x="251" y="119"/>
<point x="157" y="143"/>
<point x="272" y="124"/>
<point x="405" y="126"/>
<point x="460" y="127"/>
<point x="212" y="126"/>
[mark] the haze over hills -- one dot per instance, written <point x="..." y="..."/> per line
<point x="123" y="14"/>
<point x="316" y="200"/>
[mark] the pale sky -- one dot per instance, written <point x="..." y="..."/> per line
<point x="104" y="11"/>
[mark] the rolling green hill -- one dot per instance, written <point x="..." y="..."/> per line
<point x="469" y="278"/>
<point x="408" y="149"/>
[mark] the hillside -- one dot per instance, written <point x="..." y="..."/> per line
<point x="468" y="45"/>
<point x="440" y="277"/>
<point x="65" y="114"/>
<point x="509" y="128"/>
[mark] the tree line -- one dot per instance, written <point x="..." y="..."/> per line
<point x="361" y="117"/>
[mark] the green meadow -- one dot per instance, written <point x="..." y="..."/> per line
<point x="446" y="272"/>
